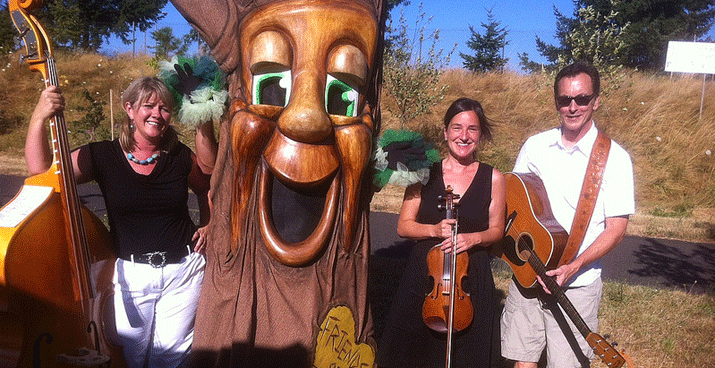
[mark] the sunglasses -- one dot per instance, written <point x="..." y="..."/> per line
<point x="581" y="100"/>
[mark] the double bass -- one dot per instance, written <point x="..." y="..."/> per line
<point x="56" y="256"/>
<point x="448" y="308"/>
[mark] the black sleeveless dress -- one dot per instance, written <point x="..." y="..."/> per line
<point x="406" y="340"/>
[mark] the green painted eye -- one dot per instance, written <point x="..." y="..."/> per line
<point x="340" y="98"/>
<point x="272" y="88"/>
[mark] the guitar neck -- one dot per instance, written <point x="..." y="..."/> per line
<point x="558" y="293"/>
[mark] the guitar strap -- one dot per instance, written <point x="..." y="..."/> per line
<point x="589" y="194"/>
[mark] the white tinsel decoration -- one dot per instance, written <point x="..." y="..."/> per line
<point x="404" y="177"/>
<point x="204" y="105"/>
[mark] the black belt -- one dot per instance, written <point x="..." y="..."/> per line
<point x="160" y="259"/>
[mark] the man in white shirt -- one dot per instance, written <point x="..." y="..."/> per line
<point x="560" y="157"/>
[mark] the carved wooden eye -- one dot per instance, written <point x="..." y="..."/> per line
<point x="270" y="61"/>
<point x="347" y="68"/>
<point x="340" y="97"/>
<point x="272" y="88"/>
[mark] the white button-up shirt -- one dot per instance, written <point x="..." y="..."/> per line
<point x="562" y="171"/>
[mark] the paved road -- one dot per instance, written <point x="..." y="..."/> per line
<point x="645" y="261"/>
<point x="637" y="260"/>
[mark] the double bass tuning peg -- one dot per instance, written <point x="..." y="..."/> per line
<point x="22" y="57"/>
<point x="32" y="54"/>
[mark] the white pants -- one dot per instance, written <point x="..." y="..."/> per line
<point x="155" y="310"/>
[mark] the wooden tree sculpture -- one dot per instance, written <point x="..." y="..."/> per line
<point x="286" y="276"/>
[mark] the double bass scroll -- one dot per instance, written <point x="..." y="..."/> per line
<point x="56" y="256"/>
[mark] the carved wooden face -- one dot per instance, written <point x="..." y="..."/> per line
<point x="305" y="126"/>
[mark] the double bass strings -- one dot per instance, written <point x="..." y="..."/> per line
<point x="76" y="229"/>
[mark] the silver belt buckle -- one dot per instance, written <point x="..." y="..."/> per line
<point x="157" y="263"/>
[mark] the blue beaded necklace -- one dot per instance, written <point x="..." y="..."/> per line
<point x="148" y="161"/>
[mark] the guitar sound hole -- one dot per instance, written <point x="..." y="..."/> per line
<point x="526" y="242"/>
<point x="509" y="247"/>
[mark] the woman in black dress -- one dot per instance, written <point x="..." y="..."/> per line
<point x="407" y="341"/>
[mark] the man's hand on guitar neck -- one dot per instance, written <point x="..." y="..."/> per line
<point x="561" y="274"/>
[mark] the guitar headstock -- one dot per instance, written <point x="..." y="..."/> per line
<point x="37" y="44"/>
<point x="607" y="353"/>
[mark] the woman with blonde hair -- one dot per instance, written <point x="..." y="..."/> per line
<point x="144" y="176"/>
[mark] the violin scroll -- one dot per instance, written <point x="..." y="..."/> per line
<point x="450" y="204"/>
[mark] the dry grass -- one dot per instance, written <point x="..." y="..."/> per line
<point x="660" y="327"/>
<point x="20" y="88"/>
<point x="657" y="328"/>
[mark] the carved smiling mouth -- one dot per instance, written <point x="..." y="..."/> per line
<point x="298" y="198"/>
<point x="291" y="192"/>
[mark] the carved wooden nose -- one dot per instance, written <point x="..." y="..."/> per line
<point x="305" y="119"/>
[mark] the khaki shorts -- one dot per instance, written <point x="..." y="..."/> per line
<point x="528" y="326"/>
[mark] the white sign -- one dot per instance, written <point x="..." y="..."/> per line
<point x="690" y="57"/>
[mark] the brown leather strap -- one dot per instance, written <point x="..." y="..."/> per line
<point x="589" y="194"/>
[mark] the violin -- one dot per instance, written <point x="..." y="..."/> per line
<point x="55" y="291"/>
<point x="447" y="308"/>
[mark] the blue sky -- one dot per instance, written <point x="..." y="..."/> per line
<point x="523" y="19"/>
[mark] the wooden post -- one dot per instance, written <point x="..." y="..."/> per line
<point x="702" y="98"/>
<point x="111" y="113"/>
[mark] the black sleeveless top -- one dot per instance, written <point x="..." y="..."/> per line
<point x="146" y="213"/>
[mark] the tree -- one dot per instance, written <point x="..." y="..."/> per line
<point x="564" y="25"/>
<point x="654" y="23"/>
<point x="408" y="76"/>
<point x="598" y="38"/>
<point x="391" y="4"/>
<point x="86" y="24"/>
<point x="8" y="33"/>
<point x="388" y="6"/>
<point x="141" y="14"/>
<point x="166" y="44"/>
<point x="638" y="29"/>
<point x="487" y="48"/>
<point x="89" y="126"/>
<point x="527" y="64"/>
<point x="595" y="38"/>
<point x="194" y="36"/>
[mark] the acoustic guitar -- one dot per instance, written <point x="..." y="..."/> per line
<point x="530" y="223"/>
<point x="533" y="242"/>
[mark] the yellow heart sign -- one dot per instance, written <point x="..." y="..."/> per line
<point x="335" y="345"/>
